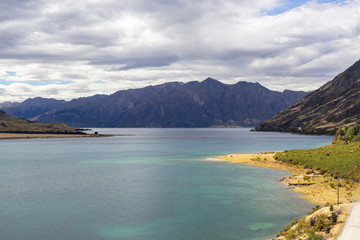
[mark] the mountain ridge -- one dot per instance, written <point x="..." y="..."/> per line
<point x="332" y="106"/>
<point x="193" y="104"/>
<point x="31" y="108"/>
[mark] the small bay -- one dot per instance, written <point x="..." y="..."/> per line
<point x="153" y="184"/>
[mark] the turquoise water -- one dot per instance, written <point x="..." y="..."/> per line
<point x="153" y="185"/>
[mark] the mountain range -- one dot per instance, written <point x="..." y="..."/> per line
<point x="194" y="104"/>
<point x="334" y="105"/>
<point x="31" y="108"/>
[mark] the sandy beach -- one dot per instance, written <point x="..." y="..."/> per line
<point x="314" y="186"/>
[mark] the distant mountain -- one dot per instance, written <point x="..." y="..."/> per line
<point x="194" y="104"/>
<point x="31" y="108"/>
<point x="11" y="124"/>
<point x="334" y="105"/>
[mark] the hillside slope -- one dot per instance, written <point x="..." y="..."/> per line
<point x="11" y="124"/>
<point x="332" y="106"/>
<point x="194" y="104"/>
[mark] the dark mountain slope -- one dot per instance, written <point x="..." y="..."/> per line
<point x="32" y="107"/>
<point x="334" y="105"/>
<point x="194" y="104"/>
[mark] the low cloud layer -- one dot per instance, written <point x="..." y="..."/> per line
<point x="66" y="49"/>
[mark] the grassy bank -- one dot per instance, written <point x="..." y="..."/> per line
<point x="314" y="173"/>
<point x="341" y="157"/>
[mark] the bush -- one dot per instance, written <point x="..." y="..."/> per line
<point x="347" y="134"/>
<point x="334" y="217"/>
<point x="290" y="235"/>
<point x="314" y="236"/>
<point x="317" y="207"/>
<point x="340" y="132"/>
<point x="309" y="171"/>
<point x="356" y="138"/>
<point x="302" y="226"/>
<point x="322" y="223"/>
<point x="351" y="132"/>
<point x="256" y="159"/>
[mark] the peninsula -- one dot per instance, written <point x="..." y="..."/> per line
<point x="14" y="127"/>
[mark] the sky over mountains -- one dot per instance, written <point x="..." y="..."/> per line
<point x="66" y="49"/>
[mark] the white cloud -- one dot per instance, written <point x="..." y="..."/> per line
<point x="62" y="49"/>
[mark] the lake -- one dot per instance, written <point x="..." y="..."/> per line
<point x="153" y="184"/>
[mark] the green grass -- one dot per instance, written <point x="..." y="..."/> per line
<point x="343" y="157"/>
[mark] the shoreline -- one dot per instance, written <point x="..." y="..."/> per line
<point x="313" y="186"/>
<point x="50" y="135"/>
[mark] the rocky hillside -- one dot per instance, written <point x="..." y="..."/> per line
<point x="334" y="105"/>
<point x="10" y="124"/>
<point x="194" y="104"/>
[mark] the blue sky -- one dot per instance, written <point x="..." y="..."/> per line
<point x="67" y="49"/>
<point x="291" y="4"/>
<point x="10" y="75"/>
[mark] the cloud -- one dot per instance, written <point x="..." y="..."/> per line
<point x="64" y="49"/>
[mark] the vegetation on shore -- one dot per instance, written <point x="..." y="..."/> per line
<point x="319" y="224"/>
<point x="323" y="167"/>
<point x="10" y="124"/>
<point x="342" y="157"/>
<point x="315" y="174"/>
<point x="317" y="188"/>
<point x="347" y="134"/>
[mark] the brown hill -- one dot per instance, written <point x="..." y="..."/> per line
<point x="332" y="106"/>
<point x="10" y="124"/>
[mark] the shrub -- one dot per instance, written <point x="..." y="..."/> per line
<point x="322" y="223"/>
<point x="317" y="207"/>
<point x="257" y="158"/>
<point x="334" y="217"/>
<point x="351" y="132"/>
<point x="314" y="236"/>
<point x="290" y="235"/>
<point x="302" y="226"/>
<point x="356" y="138"/>
<point x="323" y="171"/>
<point x="340" y="132"/>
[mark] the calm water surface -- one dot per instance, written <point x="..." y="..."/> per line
<point x="152" y="185"/>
